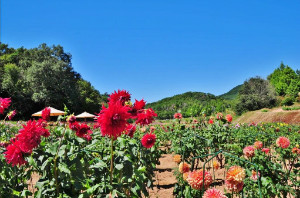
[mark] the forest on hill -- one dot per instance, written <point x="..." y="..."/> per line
<point x="282" y="87"/>
<point x="189" y="104"/>
<point x="44" y="76"/>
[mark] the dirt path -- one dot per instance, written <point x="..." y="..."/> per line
<point x="164" y="178"/>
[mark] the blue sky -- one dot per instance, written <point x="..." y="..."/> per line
<point x="157" y="49"/>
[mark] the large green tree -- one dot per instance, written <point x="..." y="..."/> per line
<point x="256" y="93"/>
<point x="44" y="76"/>
<point x="285" y="80"/>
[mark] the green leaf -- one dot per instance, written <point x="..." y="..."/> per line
<point x="119" y="166"/>
<point x="100" y="164"/>
<point x="64" y="168"/>
<point x="46" y="163"/>
<point x="53" y="148"/>
<point x="61" y="151"/>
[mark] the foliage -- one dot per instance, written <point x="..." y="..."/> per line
<point x="44" y="76"/>
<point x="232" y="94"/>
<point x="256" y="93"/>
<point x="188" y="104"/>
<point x="69" y="166"/>
<point x="291" y="108"/>
<point x="288" y="101"/>
<point x="285" y="80"/>
<point x="278" y="170"/>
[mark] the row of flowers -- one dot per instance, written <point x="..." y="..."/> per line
<point x="112" y="120"/>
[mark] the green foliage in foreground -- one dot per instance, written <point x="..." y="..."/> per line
<point x="189" y="104"/>
<point x="44" y="76"/>
<point x="279" y="169"/>
<point x="69" y="166"/>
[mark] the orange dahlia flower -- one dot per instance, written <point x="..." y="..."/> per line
<point x="195" y="179"/>
<point x="185" y="176"/>
<point x="258" y="145"/>
<point x="177" y="158"/>
<point x="184" y="167"/>
<point x="296" y="150"/>
<point x="235" y="174"/>
<point x="216" y="165"/>
<point x="213" y="193"/>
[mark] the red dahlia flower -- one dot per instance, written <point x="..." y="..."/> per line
<point x="4" y="104"/>
<point x="249" y="151"/>
<point x="130" y="129"/>
<point x="46" y="114"/>
<point x="148" y="140"/>
<point x="120" y="96"/>
<point x="283" y="142"/>
<point x="113" y="120"/>
<point x="137" y="107"/>
<point x="210" y="121"/>
<point x="84" y="131"/>
<point x="146" y="117"/>
<point x="177" y="115"/>
<point x="229" y="118"/>
<point x="29" y="136"/>
<point x="14" y="154"/>
<point x="74" y="126"/>
<point x="71" y="119"/>
<point x="265" y="150"/>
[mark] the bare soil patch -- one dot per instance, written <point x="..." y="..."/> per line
<point x="272" y="115"/>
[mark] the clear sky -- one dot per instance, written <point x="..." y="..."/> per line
<point x="159" y="48"/>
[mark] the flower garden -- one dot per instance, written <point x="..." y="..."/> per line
<point x="116" y="155"/>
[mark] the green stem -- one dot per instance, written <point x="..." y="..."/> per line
<point x="111" y="159"/>
<point x="55" y="168"/>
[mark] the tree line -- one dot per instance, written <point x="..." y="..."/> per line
<point x="44" y="76"/>
<point x="189" y="104"/>
<point x="282" y="87"/>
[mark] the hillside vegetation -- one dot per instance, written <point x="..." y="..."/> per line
<point x="189" y="104"/>
<point x="232" y="94"/>
<point x="44" y="76"/>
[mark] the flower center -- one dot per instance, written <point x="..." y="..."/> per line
<point x="149" y="140"/>
<point x="116" y="118"/>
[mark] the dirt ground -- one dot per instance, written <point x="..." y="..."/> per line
<point x="272" y="115"/>
<point x="164" y="178"/>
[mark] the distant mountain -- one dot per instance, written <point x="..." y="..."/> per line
<point x="188" y="104"/>
<point x="232" y="94"/>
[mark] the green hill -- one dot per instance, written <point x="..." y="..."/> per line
<point x="232" y="94"/>
<point x="189" y="104"/>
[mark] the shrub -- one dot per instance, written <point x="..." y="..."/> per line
<point x="288" y="101"/>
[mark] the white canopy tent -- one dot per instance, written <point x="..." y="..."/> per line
<point x="53" y="112"/>
<point x="85" y="115"/>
